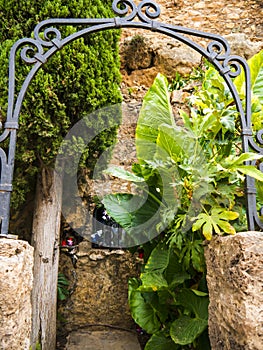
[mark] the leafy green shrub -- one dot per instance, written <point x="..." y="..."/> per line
<point x="193" y="177"/>
<point x="77" y="80"/>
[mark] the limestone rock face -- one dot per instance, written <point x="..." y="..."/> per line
<point x="153" y="55"/>
<point x="242" y="46"/>
<point x="235" y="283"/>
<point x="99" y="288"/>
<point x="143" y="56"/>
<point x="16" y="265"/>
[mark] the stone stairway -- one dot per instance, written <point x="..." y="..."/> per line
<point x="102" y="340"/>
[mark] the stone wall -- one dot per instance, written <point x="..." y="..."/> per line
<point x="16" y="265"/>
<point x="221" y="17"/>
<point x="240" y="22"/>
<point x="99" y="288"/>
<point x="235" y="282"/>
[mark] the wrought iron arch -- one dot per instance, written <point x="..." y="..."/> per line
<point x="36" y="51"/>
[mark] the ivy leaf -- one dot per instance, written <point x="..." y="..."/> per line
<point x="217" y="220"/>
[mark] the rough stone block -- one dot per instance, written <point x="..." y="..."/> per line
<point x="99" y="285"/>
<point x="235" y="282"/>
<point x="16" y="271"/>
<point x="100" y="340"/>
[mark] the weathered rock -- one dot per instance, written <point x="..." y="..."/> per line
<point x="100" y="340"/>
<point x="166" y="56"/>
<point x="137" y="53"/>
<point x="242" y="46"/>
<point x="235" y="282"/>
<point x="16" y="265"/>
<point x="99" y="284"/>
<point x="172" y="57"/>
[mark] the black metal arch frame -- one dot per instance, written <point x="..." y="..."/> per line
<point x="36" y="51"/>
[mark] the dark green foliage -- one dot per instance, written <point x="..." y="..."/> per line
<point x="77" y="80"/>
<point x="63" y="284"/>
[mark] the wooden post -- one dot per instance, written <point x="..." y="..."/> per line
<point x="45" y="239"/>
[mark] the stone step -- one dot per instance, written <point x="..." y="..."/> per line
<point x="102" y="340"/>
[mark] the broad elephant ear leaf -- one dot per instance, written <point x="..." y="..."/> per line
<point x="138" y="215"/>
<point x="185" y="329"/>
<point x="156" y="110"/>
<point x="160" y="341"/>
<point x="143" y="312"/>
<point x="256" y="68"/>
<point x="193" y="302"/>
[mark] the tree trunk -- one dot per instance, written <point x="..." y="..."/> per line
<point x="45" y="239"/>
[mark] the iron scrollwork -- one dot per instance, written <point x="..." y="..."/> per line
<point x="36" y="51"/>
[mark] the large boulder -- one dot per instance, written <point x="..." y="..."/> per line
<point x="235" y="283"/>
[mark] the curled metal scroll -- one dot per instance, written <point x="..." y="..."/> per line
<point x="48" y="39"/>
<point x="152" y="10"/>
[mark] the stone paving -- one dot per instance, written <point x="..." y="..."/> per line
<point x="102" y="340"/>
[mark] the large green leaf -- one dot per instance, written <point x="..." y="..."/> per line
<point x="244" y="157"/>
<point x="235" y="164"/>
<point x="123" y="174"/>
<point x="153" y="281"/>
<point x="175" y="142"/>
<point x="183" y="147"/>
<point x="175" y="273"/>
<point x="159" y="259"/>
<point x="251" y="171"/>
<point x="194" y="303"/>
<point x="256" y="68"/>
<point x="258" y="86"/>
<point x="143" y="313"/>
<point x="123" y="208"/>
<point x="156" y="110"/>
<point x="163" y="270"/>
<point x="139" y="216"/>
<point x="185" y="329"/>
<point x="160" y="342"/>
<point x="259" y="186"/>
